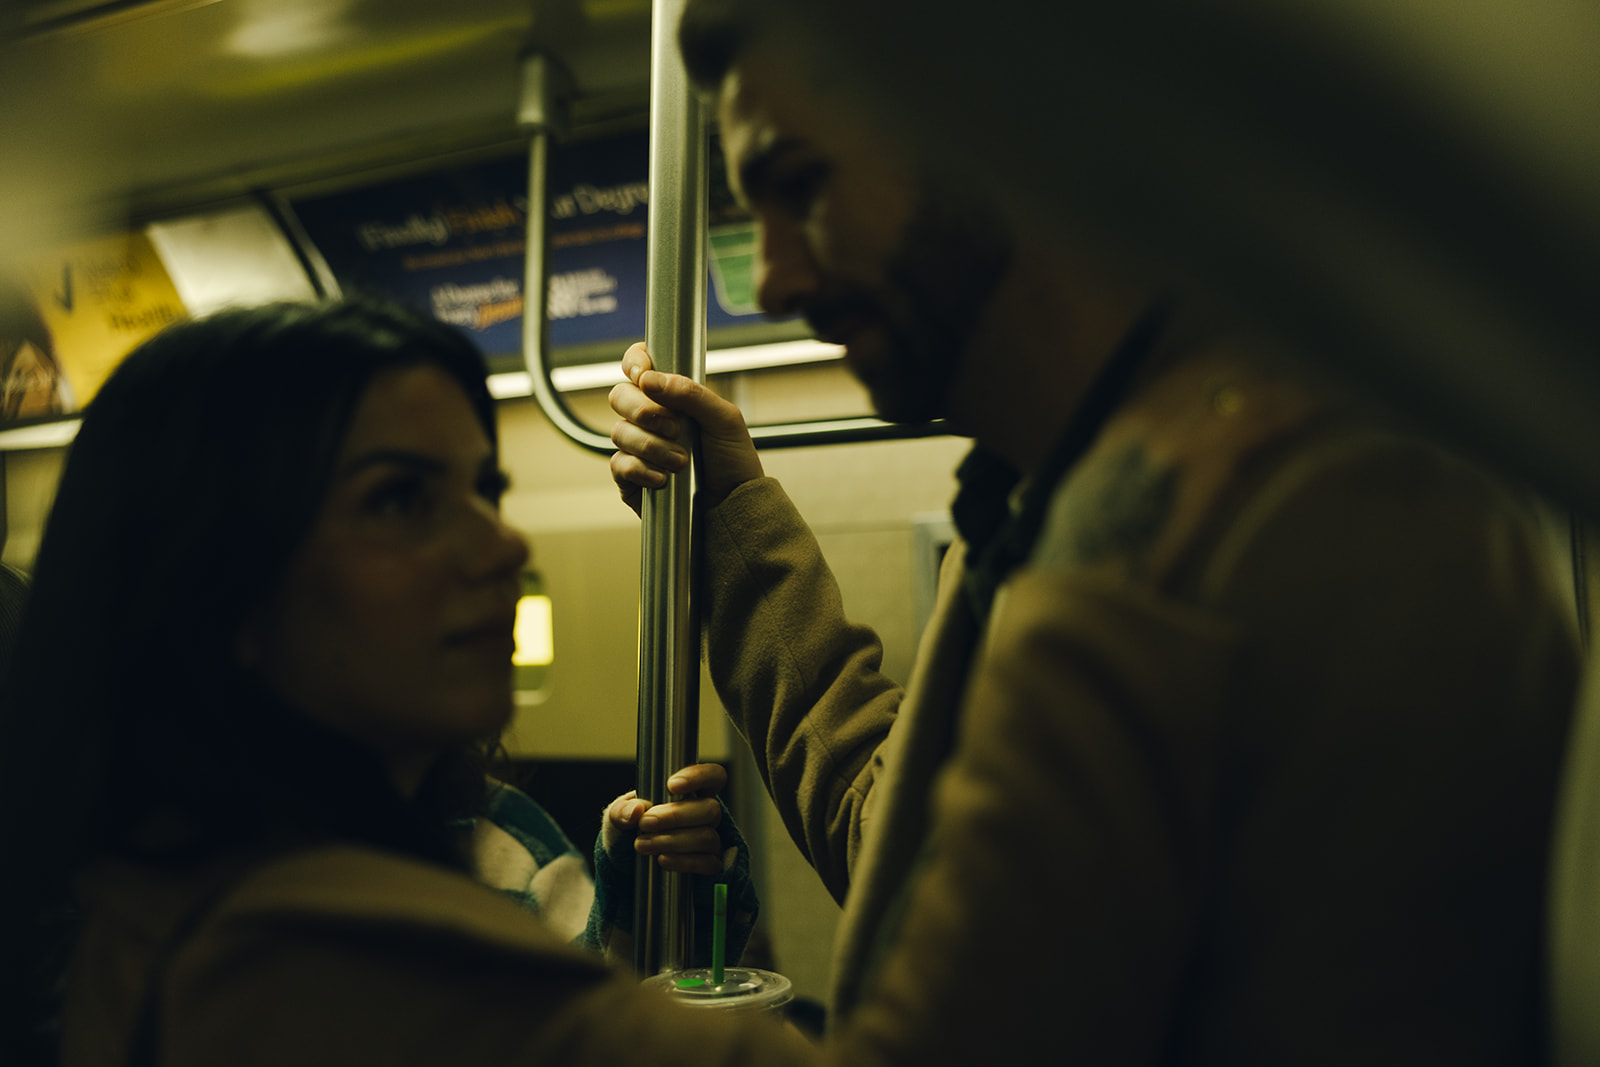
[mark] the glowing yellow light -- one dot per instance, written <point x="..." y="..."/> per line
<point x="296" y="70"/>
<point x="535" y="644"/>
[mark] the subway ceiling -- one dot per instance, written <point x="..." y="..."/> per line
<point x="135" y="107"/>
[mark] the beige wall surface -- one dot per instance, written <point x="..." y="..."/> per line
<point x="30" y="487"/>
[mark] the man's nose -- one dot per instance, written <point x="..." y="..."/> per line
<point x="786" y="274"/>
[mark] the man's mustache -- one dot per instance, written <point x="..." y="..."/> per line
<point x="827" y="315"/>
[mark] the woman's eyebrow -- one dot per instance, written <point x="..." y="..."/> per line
<point x="419" y="462"/>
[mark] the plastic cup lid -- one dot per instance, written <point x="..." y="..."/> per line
<point x="742" y="988"/>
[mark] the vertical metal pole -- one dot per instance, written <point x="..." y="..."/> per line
<point x="675" y="335"/>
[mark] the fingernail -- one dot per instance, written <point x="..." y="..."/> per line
<point x="633" y="374"/>
<point x="648" y="823"/>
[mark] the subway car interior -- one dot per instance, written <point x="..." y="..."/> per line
<point x="167" y="158"/>
<point x="187" y="156"/>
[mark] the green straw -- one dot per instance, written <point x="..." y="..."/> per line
<point x="719" y="930"/>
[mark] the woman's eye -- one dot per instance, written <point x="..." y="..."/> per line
<point x="401" y="498"/>
<point x="492" y="486"/>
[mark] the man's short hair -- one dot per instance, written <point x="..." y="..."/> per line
<point x="711" y="35"/>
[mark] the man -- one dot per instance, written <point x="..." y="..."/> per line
<point x="1232" y="741"/>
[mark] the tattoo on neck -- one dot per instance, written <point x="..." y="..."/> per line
<point x="1115" y="510"/>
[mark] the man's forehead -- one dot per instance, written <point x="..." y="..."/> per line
<point x="745" y="109"/>
<point x="760" y="76"/>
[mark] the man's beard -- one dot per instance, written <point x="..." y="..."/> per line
<point x="952" y="257"/>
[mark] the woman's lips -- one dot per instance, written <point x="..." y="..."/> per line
<point x="491" y="638"/>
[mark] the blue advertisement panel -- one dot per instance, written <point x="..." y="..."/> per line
<point x="452" y="244"/>
<point x="599" y="200"/>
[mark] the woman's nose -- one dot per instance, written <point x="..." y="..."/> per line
<point x="495" y="547"/>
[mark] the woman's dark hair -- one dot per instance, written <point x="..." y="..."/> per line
<point x="198" y="471"/>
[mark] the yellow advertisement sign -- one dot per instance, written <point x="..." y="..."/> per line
<point x="96" y="300"/>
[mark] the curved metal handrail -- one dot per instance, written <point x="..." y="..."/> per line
<point x="539" y="116"/>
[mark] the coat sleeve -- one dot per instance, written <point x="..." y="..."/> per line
<point x="349" y="957"/>
<point x="801" y="683"/>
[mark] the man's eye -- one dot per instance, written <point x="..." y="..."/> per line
<point x="797" y="190"/>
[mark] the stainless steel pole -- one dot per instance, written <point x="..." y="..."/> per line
<point x="675" y="334"/>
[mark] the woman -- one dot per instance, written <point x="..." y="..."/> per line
<point x="266" y="650"/>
